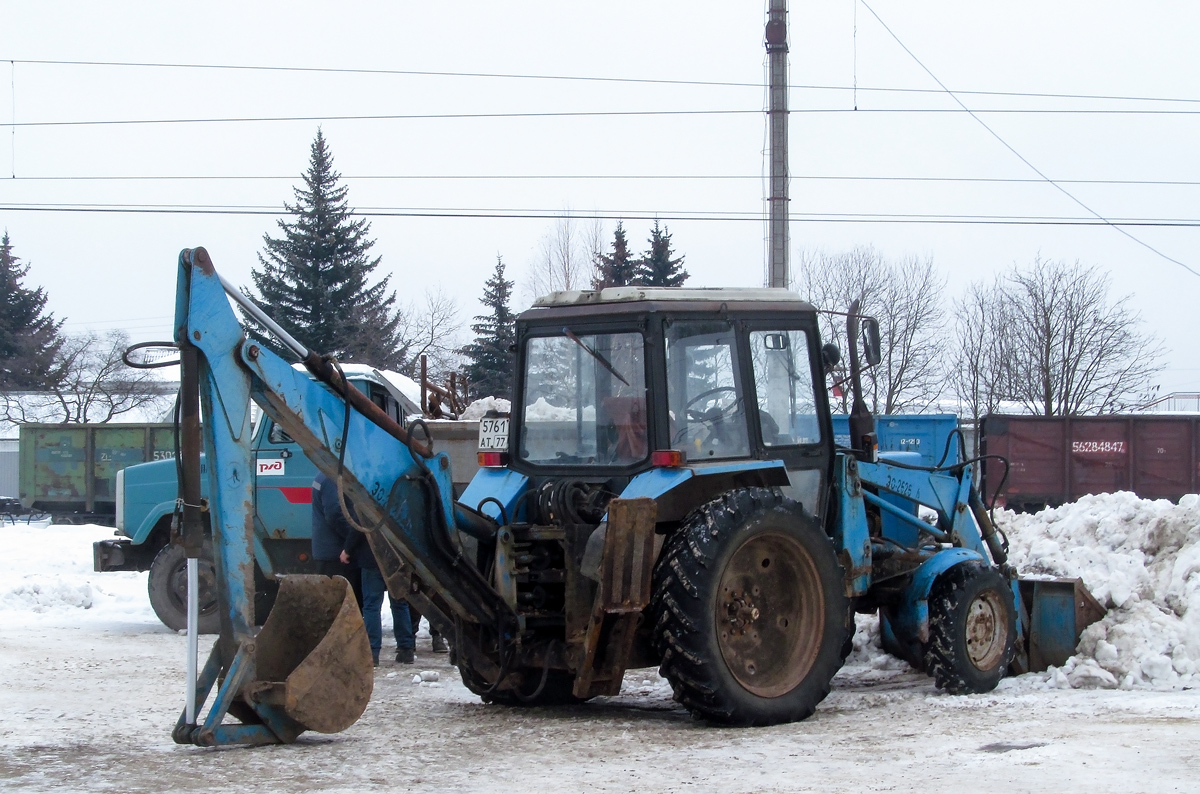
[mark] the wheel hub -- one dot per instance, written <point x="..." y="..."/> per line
<point x="741" y="611"/>
<point x="207" y="581"/>
<point x="769" y="614"/>
<point x="986" y="630"/>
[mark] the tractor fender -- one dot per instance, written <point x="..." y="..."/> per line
<point x="910" y="618"/>
<point x="678" y="491"/>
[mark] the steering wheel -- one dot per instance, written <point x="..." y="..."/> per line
<point x="709" y="416"/>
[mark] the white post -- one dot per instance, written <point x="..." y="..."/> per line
<point x="193" y="629"/>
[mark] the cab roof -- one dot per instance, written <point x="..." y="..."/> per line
<point x="710" y="295"/>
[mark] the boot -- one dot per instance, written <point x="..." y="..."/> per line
<point x="405" y="656"/>
<point x="438" y="643"/>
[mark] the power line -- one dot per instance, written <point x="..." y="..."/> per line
<point x="164" y="317"/>
<point x="623" y="177"/>
<point x="386" y="117"/>
<point x="550" y="214"/>
<point x="395" y="72"/>
<point x="1021" y="157"/>
<point x="599" y="113"/>
<point x="588" y="78"/>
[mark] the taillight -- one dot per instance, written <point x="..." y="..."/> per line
<point x="493" y="459"/>
<point x="667" y="458"/>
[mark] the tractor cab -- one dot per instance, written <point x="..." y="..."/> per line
<point x="616" y="382"/>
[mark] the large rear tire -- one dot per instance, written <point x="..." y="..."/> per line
<point x="167" y="586"/>
<point x="972" y="629"/>
<point x="751" y="620"/>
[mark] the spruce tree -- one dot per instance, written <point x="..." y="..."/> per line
<point x="29" y="336"/>
<point x="618" y="269"/>
<point x="656" y="268"/>
<point x="490" y="371"/>
<point x="315" y="280"/>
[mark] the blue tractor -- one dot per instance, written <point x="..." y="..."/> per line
<point x="666" y="492"/>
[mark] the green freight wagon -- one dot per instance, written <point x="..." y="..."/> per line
<point x="70" y="470"/>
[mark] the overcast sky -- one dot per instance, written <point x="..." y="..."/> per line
<point x="116" y="269"/>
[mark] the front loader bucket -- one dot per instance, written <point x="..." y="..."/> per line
<point x="313" y="658"/>
<point x="1055" y="612"/>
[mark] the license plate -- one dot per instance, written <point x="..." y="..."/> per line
<point x="493" y="434"/>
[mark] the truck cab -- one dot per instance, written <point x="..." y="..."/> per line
<point x="146" y="499"/>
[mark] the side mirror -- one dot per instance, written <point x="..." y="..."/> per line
<point x="870" y="341"/>
<point x="775" y="341"/>
<point x="830" y="355"/>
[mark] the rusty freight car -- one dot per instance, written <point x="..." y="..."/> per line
<point x="1054" y="460"/>
<point x="68" y="470"/>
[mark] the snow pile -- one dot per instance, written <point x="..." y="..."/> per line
<point x="477" y="409"/>
<point x="427" y="678"/>
<point x="34" y="520"/>
<point x="1141" y="559"/>
<point x="46" y="573"/>
<point x="542" y="411"/>
<point x="39" y="594"/>
<point x="868" y="649"/>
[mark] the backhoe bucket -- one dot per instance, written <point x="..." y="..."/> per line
<point x="1055" y="612"/>
<point x="313" y="658"/>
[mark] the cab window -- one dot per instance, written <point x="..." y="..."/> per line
<point x="705" y="398"/>
<point x="584" y="400"/>
<point x="276" y="435"/>
<point x="787" y="409"/>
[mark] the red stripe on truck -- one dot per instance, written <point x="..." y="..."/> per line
<point x="295" y="494"/>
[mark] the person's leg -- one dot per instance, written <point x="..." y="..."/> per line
<point x="402" y="628"/>
<point x="436" y="641"/>
<point x="353" y="575"/>
<point x="373" y="590"/>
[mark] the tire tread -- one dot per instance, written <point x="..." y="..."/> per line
<point x="678" y="613"/>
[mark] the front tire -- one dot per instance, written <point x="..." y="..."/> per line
<point x="972" y="629"/>
<point x="751" y="620"/>
<point x="167" y="586"/>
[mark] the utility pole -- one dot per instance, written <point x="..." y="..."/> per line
<point x="777" y="114"/>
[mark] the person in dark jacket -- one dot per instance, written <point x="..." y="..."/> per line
<point x="355" y="552"/>
<point x="330" y="531"/>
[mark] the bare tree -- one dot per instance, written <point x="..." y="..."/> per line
<point x="980" y="372"/>
<point x="1072" y="350"/>
<point x="93" y="385"/>
<point x="593" y="247"/>
<point x="565" y="257"/>
<point x="430" y="328"/>
<point x="905" y="296"/>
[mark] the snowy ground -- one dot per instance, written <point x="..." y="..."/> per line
<point x="92" y="684"/>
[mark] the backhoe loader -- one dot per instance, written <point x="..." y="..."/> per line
<point x="666" y="492"/>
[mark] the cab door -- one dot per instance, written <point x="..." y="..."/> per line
<point x="789" y="416"/>
<point x="283" y="484"/>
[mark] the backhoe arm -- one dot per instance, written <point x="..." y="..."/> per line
<point x="398" y="494"/>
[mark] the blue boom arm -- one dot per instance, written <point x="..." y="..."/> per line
<point x="402" y="496"/>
